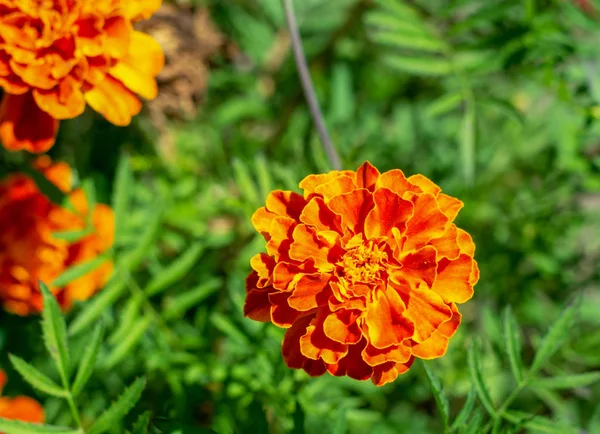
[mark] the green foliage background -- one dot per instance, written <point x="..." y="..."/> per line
<point x="498" y="102"/>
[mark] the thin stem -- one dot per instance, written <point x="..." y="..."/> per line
<point x="74" y="410"/>
<point x="307" y="85"/>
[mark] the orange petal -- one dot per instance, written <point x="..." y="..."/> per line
<point x="341" y="326"/>
<point x="425" y="309"/>
<point x="453" y="280"/>
<point x="285" y="203"/>
<point x="21" y="408"/>
<point x="367" y="176"/>
<point x="318" y="215"/>
<point x="23" y="126"/>
<point x="118" y="32"/>
<point x="2" y="380"/>
<point x="465" y="242"/>
<point x="311" y="182"/>
<point x="384" y="323"/>
<point x="395" y="181"/>
<point x="280" y="236"/>
<point x="449" y="327"/>
<point x="285" y="273"/>
<point x="353" y="207"/>
<point x="419" y="266"/>
<point x="390" y="211"/>
<point x="144" y="61"/>
<point x="388" y="372"/>
<point x="316" y="345"/>
<point x="428" y="222"/>
<point x="114" y="101"/>
<point x="264" y="265"/>
<point x="141" y="9"/>
<point x="447" y="245"/>
<point x="395" y="353"/>
<point x="309" y="289"/>
<point x="337" y="186"/>
<point x="257" y="305"/>
<point x="449" y="205"/>
<point x="352" y="364"/>
<point x="310" y="245"/>
<point x="424" y="185"/>
<point x="432" y="348"/>
<point x="282" y="315"/>
<point x="65" y="101"/>
<point x="261" y="220"/>
<point x="292" y="354"/>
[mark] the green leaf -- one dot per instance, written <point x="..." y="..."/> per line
<point x="180" y="304"/>
<point x="465" y="412"/>
<point x="45" y="186"/>
<point x="141" y="424"/>
<point x="228" y="328"/>
<point x="78" y="271"/>
<point x="36" y="378"/>
<point x="513" y="344"/>
<point x="263" y="174"/>
<point x="424" y="43"/>
<point x="97" y="306"/>
<point x="433" y="66"/>
<point x="555" y="337"/>
<point x="128" y="315"/>
<point x="474" y="425"/>
<point x="539" y="423"/>
<point x="124" y="347"/>
<point x="568" y="381"/>
<point x="477" y="378"/>
<point x="594" y="426"/>
<point x="438" y="394"/>
<point x="16" y="427"/>
<point x="120" y="408"/>
<point x="245" y="183"/>
<point x="132" y="259"/>
<point x="445" y="104"/>
<point x="175" y="271"/>
<point x="88" y="360"/>
<point x="467" y="142"/>
<point x="341" y="423"/>
<point x="72" y="236"/>
<point x="121" y="191"/>
<point x="55" y="333"/>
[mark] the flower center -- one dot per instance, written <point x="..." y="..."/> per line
<point x="363" y="262"/>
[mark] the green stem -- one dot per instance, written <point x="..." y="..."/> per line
<point x="513" y="395"/>
<point x="74" y="410"/>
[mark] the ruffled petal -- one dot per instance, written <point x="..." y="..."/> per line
<point x="389" y="211"/>
<point x="428" y="222"/>
<point x="388" y="372"/>
<point x="341" y="326"/>
<point x="395" y="181"/>
<point x="367" y="176"/>
<point x="316" y="246"/>
<point x="286" y="203"/>
<point x="454" y="280"/>
<point x="316" y="345"/>
<point x="337" y="186"/>
<point x="114" y="101"/>
<point x="400" y="353"/>
<point x="311" y="182"/>
<point x="309" y="288"/>
<point x="353" y="207"/>
<point x="318" y="215"/>
<point x="385" y="325"/>
<point x="292" y="355"/>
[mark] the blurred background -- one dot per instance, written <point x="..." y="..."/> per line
<point x="498" y="102"/>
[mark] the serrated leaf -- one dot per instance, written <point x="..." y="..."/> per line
<point x="433" y="66"/>
<point x="183" y="302"/>
<point x="96" y="307"/>
<point x="79" y="270"/>
<point x="555" y="337"/>
<point x="513" y="344"/>
<point x="477" y="378"/>
<point x="88" y="360"/>
<point x="175" y="271"/>
<point x="121" y="192"/>
<point x="438" y="394"/>
<point x="568" y="381"/>
<point x="465" y="411"/>
<point x="124" y="347"/>
<point x="55" y="333"/>
<point x="132" y="259"/>
<point x="17" y="427"/>
<point x="141" y="424"/>
<point x="37" y="379"/>
<point x="120" y="408"/>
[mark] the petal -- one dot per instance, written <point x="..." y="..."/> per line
<point x="22" y="408"/>
<point x="395" y="181"/>
<point x="419" y="266"/>
<point x="282" y="315"/>
<point x="352" y="364"/>
<point x="342" y="327"/>
<point x="143" y="62"/>
<point x="425" y="309"/>
<point x="264" y="265"/>
<point x="261" y="220"/>
<point x="367" y="176"/>
<point x="280" y="236"/>
<point x="23" y="126"/>
<point x="114" y="101"/>
<point x="353" y="207"/>
<point x="2" y="380"/>
<point x="309" y="245"/>
<point x="292" y="355"/>
<point x="465" y="242"/>
<point x="447" y="245"/>
<point x="432" y="348"/>
<point x="65" y="101"/>
<point x="388" y="372"/>
<point x="141" y="9"/>
<point x="428" y="222"/>
<point x="311" y="182"/>
<point x="316" y="345"/>
<point x="285" y="273"/>
<point x="384" y="323"/>
<point x="449" y="205"/>
<point x="308" y="289"/>
<point x="318" y="215"/>
<point x="389" y="211"/>
<point x="286" y="203"/>
<point x="453" y="282"/>
<point x="337" y="186"/>
<point x="395" y="353"/>
<point x="424" y="185"/>
<point x="257" y="305"/>
<point x="449" y="327"/>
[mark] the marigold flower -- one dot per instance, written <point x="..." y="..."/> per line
<point x="29" y="251"/>
<point x="58" y="55"/>
<point x="364" y="270"/>
<point x="19" y="408"/>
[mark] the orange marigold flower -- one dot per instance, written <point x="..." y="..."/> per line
<point x="58" y="55"/>
<point x="20" y="408"/>
<point x="29" y="251"/>
<point x="364" y="270"/>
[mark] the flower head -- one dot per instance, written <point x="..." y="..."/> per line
<point x="19" y="408"/>
<point x="58" y="55"/>
<point x="364" y="270"/>
<point x="29" y="249"/>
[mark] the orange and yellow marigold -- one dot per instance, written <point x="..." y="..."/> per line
<point x="58" y="55"/>
<point x="365" y="271"/>
<point x="19" y="408"/>
<point x="29" y="250"/>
